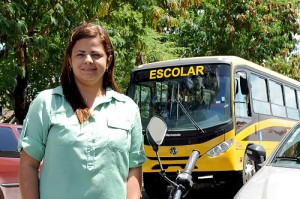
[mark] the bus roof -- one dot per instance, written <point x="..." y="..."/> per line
<point x="232" y="60"/>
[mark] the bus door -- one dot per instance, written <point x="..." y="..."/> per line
<point x="245" y="120"/>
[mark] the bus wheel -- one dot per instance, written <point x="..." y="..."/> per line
<point x="248" y="169"/>
<point x="155" y="185"/>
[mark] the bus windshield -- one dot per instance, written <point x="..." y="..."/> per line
<point x="190" y="97"/>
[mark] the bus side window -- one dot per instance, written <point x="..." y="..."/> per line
<point x="291" y="103"/>
<point x="242" y="104"/>
<point x="260" y="99"/>
<point x="142" y="97"/>
<point x="277" y="100"/>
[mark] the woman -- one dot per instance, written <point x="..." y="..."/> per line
<point x="87" y="133"/>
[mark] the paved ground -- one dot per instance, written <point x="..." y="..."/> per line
<point x="199" y="192"/>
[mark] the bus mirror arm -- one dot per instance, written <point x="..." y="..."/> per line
<point x="163" y="173"/>
<point x="244" y="86"/>
<point x="155" y="133"/>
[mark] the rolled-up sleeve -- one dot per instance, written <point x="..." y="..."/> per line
<point x="136" y="154"/>
<point x="35" y="127"/>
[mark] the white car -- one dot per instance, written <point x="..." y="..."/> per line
<point x="279" y="177"/>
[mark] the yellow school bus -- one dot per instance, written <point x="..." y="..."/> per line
<point x="218" y="105"/>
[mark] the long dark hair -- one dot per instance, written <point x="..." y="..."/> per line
<point x="70" y="89"/>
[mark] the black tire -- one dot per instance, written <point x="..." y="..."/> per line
<point x="248" y="169"/>
<point x="155" y="185"/>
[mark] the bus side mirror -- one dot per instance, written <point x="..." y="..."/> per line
<point x="244" y="86"/>
<point x="156" y="132"/>
<point x="257" y="154"/>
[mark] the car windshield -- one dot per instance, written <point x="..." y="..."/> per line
<point x="288" y="154"/>
<point x="187" y="101"/>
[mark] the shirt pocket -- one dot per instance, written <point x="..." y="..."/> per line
<point x="118" y="135"/>
<point x="64" y="130"/>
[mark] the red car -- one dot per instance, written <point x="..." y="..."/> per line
<point x="9" y="161"/>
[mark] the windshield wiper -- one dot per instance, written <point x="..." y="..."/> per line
<point x="297" y="159"/>
<point x="189" y="116"/>
<point x="183" y="109"/>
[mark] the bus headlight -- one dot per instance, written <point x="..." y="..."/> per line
<point x="221" y="148"/>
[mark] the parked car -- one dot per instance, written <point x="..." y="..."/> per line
<point x="9" y="161"/>
<point x="279" y="176"/>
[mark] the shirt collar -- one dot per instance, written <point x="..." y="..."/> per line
<point x="110" y="93"/>
<point x="58" y="90"/>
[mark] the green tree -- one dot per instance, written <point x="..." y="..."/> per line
<point x="34" y="34"/>
<point x="285" y="63"/>
<point x="134" y="40"/>
<point x="254" y="30"/>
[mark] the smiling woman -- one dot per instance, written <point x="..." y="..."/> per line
<point x="78" y="131"/>
<point x="89" y="62"/>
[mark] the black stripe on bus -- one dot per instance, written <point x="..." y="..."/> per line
<point x="273" y="133"/>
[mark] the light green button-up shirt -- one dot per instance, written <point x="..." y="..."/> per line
<point x="89" y="160"/>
